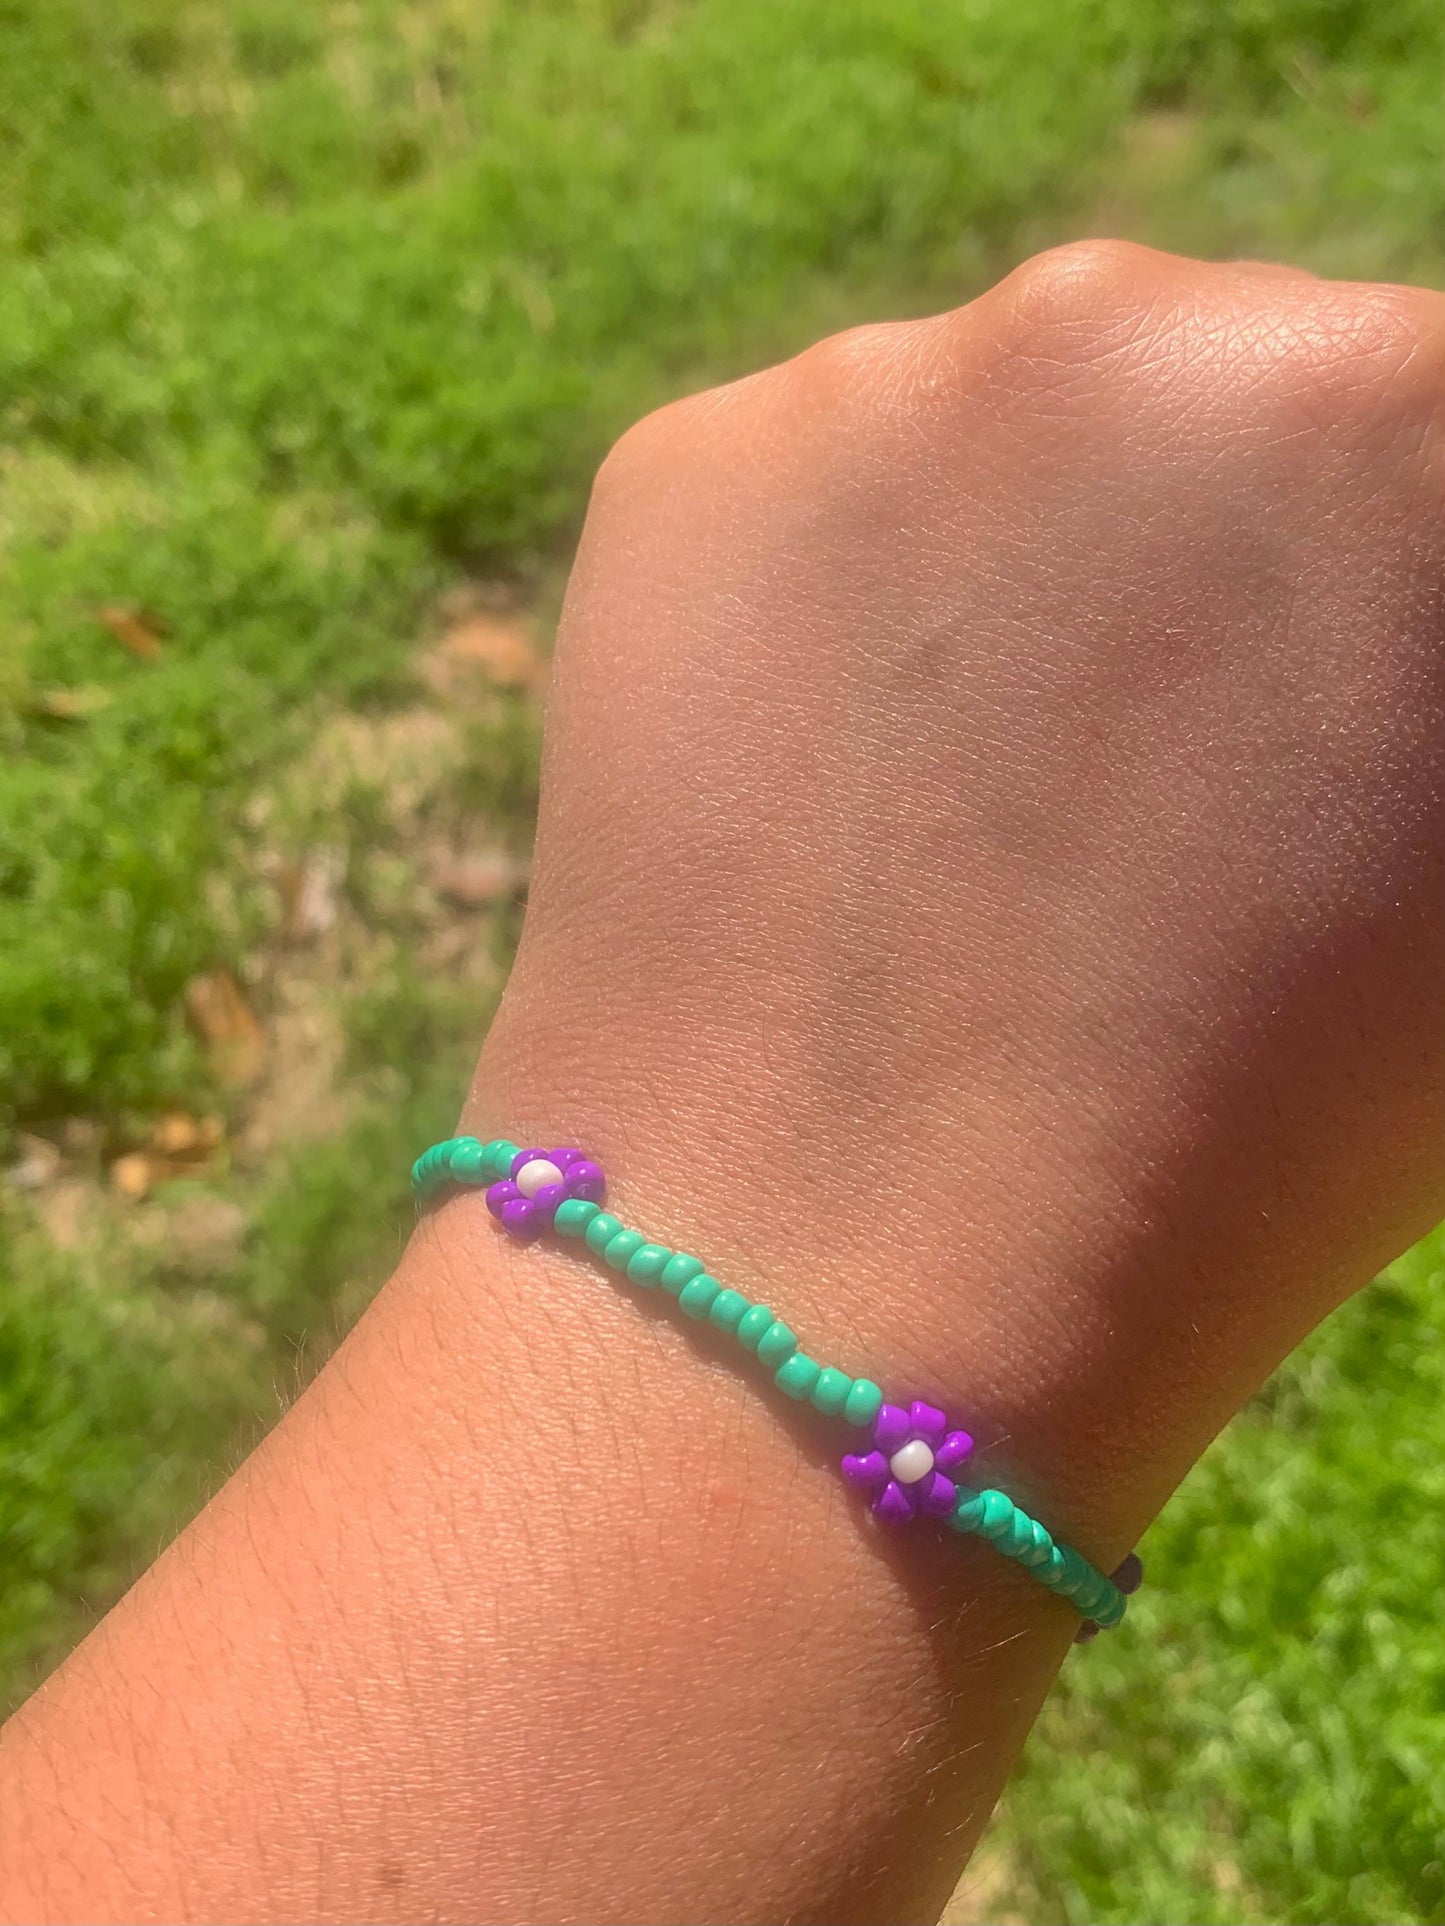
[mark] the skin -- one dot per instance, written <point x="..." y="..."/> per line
<point x="989" y="901"/>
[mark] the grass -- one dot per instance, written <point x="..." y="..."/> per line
<point x="1267" y="1744"/>
<point x="308" y="317"/>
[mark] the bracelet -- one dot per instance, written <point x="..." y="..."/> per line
<point x="913" y="1450"/>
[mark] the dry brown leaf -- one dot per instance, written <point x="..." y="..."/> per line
<point x="133" y="1175"/>
<point x="481" y="877"/>
<point x="67" y="705"/>
<point x="226" y="1024"/>
<point x="311" y="892"/>
<point x="130" y="630"/>
<point x="38" y="1164"/>
<point x="182" y="1138"/>
<point x="484" y="650"/>
<point x="204" y="1234"/>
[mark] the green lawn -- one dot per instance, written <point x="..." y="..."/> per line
<point x="313" y="324"/>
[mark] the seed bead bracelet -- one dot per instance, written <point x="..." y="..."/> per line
<point x="912" y="1450"/>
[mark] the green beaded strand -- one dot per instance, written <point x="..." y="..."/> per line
<point x="647" y="1265"/>
<point x="727" y="1309"/>
<point x="573" y="1216"/>
<point x="777" y="1343"/>
<point x="680" y="1269"/>
<point x="755" y="1320"/>
<point x="830" y="1393"/>
<point x="864" y="1402"/>
<point x="988" y="1514"/>
<point x="601" y="1230"/>
<point x="462" y="1160"/>
<point x="622" y="1248"/>
<point x="995" y="1516"/>
<point x="797" y="1375"/>
<point x="696" y="1296"/>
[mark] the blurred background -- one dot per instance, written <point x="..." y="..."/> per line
<point x="314" y="322"/>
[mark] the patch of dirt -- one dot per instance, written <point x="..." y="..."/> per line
<point x="982" y="1892"/>
<point x="482" y="651"/>
<point x="196" y="1236"/>
<point x="301" y="1097"/>
<point x="373" y="862"/>
<point x="478" y="877"/>
<point x="226" y="1024"/>
<point x="71" y="1211"/>
<point x="405" y="756"/>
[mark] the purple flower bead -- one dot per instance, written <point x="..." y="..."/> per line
<point x="585" y="1179"/>
<point x="893" y="1505"/>
<point x="867" y="1468"/>
<point x="907" y="1469"/>
<point x="522" y="1218"/>
<point x="547" y="1199"/>
<point x="499" y="1194"/>
<point x="527" y="1217"/>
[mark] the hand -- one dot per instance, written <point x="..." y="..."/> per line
<point x="989" y="890"/>
<point x="989" y="903"/>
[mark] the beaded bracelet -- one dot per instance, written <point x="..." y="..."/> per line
<point x="912" y="1451"/>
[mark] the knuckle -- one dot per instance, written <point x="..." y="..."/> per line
<point x="1380" y="346"/>
<point x="653" y="447"/>
<point x="853" y="356"/>
<point x="854" y="373"/>
<point x="1353" y="369"/>
<point x="1088" y="293"/>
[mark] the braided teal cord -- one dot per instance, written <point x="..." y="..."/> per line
<point x="986" y="1514"/>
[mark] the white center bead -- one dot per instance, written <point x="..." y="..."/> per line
<point x="911" y="1462"/>
<point x="531" y="1177"/>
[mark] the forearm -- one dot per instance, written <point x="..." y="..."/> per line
<point x="987" y="904"/>
<point x="534" y="1607"/>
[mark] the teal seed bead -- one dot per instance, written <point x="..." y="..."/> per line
<point x="863" y="1403"/>
<point x="1109" y="1613"/>
<point x="1078" y="1574"/>
<point x="752" y="1324"/>
<point x="968" y="1512"/>
<point x="797" y="1375"/>
<point x="697" y="1294"/>
<point x="679" y="1269"/>
<point x="726" y="1310"/>
<point x="996" y="1509"/>
<point x="1039" y="1549"/>
<point x="622" y="1248"/>
<point x="573" y="1216"/>
<point x="600" y="1232"/>
<point x="1092" y="1593"/>
<point x="467" y="1162"/>
<point x="434" y="1164"/>
<point x="830" y="1393"/>
<point x="499" y="1156"/>
<point x="647" y="1265"/>
<point x="1019" y="1537"/>
<point x="777" y="1343"/>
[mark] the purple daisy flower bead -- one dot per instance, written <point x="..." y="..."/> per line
<point x="526" y="1201"/>
<point x="907" y="1469"/>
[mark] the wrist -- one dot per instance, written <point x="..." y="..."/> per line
<point x="937" y="1285"/>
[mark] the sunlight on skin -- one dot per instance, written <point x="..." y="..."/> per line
<point x="987" y="900"/>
